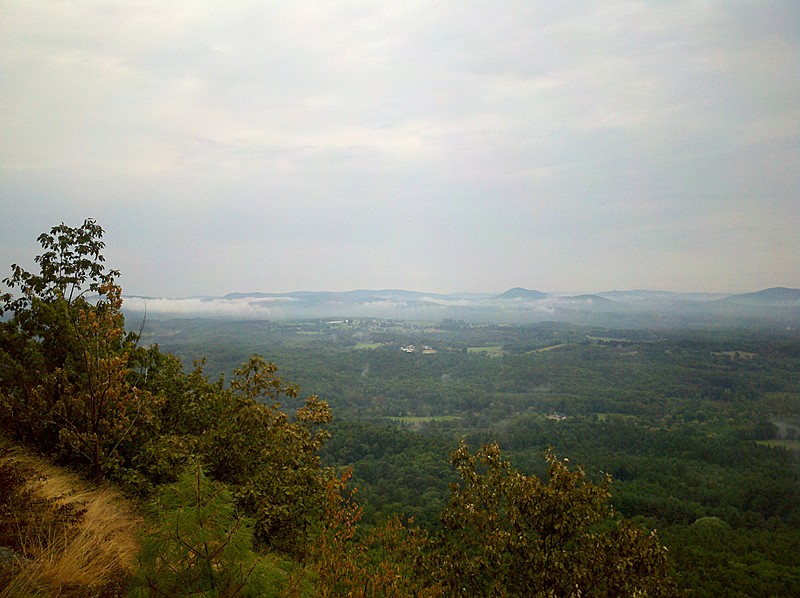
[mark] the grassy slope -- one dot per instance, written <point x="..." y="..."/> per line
<point x="76" y="539"/>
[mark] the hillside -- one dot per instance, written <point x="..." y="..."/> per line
<point x="775" y="296"/>
<point x="60" y="535"/>
<point x="526" y="294"/>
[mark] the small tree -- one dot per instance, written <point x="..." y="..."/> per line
<point x="64" y="360"/>
<point x="507" y="534"/>
<point x="270" y="461"/>
<point x="381" y="562"/>
<point x="198" y="545"/>
<point x="39" y="337"/>
<point x="101" y="410"/>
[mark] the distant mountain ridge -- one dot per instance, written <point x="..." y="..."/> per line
<point x="643" y="295"/>
<point x="520" y="293"/>
<point x="771" y="296"/>
<point x="639" y="308"/>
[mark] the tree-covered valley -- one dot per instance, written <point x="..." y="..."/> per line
<point x="697" y="427"/>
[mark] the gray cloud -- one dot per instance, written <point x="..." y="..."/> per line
<point x="434" y="146"/>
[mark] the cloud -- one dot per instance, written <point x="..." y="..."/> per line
<point x="258" y="308"/>
<point x="444" y="147"/>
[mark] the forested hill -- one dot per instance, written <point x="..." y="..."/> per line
<point x="520" y="293"/>
<point x="776" y="296"/>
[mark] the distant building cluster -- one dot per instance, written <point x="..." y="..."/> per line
<point x="426" y="349"/>
<point x="557" y="416"/>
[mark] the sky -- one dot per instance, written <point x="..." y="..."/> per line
<point x="435" y="146"/>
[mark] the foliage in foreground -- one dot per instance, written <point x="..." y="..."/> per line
<point x="65" y="360"/>
<point x="384" y="561"/>
<point x="508" y="534"/>
<point x="73" y="384"/>
<point x="198" y="544"/>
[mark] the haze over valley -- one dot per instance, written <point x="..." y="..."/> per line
<point x="638" y="308"/>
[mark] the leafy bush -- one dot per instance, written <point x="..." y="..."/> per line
<point x="508" y="534"/>
<point x="270" y="461"/>
<point x="197" y="544"/>
<point x="64" y="360"/>
<point x="383" y="562"/>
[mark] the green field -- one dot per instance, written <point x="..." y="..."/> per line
<point x="417" y="419"/>
<point x="492" y="351"/>
<point x="368" y="345"/>
<point x="416" y="422"/>
<point x="792" y="445"/>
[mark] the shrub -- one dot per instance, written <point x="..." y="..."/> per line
<point x="197" y="544"/>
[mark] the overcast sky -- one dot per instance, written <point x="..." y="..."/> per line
<point x="433" y="146"/>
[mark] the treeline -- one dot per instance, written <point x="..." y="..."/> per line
<point x="236" y="497"/>
<point x="726" y="507"/>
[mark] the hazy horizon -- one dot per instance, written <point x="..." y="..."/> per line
<point x="487" y="293"/>
<point x="439" y="147"/>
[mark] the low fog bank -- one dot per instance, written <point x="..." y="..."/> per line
<point x="614" y="308"/>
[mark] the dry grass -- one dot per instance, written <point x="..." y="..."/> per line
<point x="78" y="540"/>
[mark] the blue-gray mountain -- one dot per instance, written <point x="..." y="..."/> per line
<point x="520" y="293"/>
<point x="778" y="296"/>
